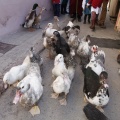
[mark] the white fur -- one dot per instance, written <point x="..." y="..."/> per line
<point x="45" y="42"/>
<point x="73" y="43"/>
<point x="29" y="23"/>
<point x="62" y="84"/>
<point x="83" y="48"/>
<point x="101" y="52"/>
<point x="17" y="72"/>
<point x="71" y="72"/>
<point x="73" y="40"/>
<point x="49" y="30"/>
<point x="95" y="100"/>
<point x="33" y="88"/>
<point x="59" y="65"/>
<point x="95" y="63"/>
<point x="70" y="24"/>
<point x="56" y="24"/>
<point x="96" y="67"/>
<point x="72" y="52"/>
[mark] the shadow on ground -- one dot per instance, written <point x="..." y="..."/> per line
<point x="106" y="43"/>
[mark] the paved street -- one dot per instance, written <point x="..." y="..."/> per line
<point x="50" y="108"/>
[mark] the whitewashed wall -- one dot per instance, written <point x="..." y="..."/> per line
<point x="13" y="12"/>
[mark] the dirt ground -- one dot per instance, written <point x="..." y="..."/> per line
<point x="50" y="108"/>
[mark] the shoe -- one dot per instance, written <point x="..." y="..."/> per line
<point x="93" y="29"/>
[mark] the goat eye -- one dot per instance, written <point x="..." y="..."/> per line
<point x="22" y="86"/>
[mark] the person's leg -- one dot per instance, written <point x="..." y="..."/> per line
<point x="62" y="9"/>
<point x="93" y="20"/>
<point x="74" y="17"/>
<point x="68" y="6"/>
<point x="79" y="9"/>
<point x="96" y="20"/>
<point x="72" y="9"/>
<point x="54" y="9"/>
<point x="65" y="8"/>
<point x="64" y="2"/>
<point x="85" y="16"/>
<point x="79" y="18"/>
<point x="58" y="10"/>
<point x="103" y="13"/>
<point x="89" y="17"/>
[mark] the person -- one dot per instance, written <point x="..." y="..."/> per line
<point x="87" y="11"/>
<point x="117" y="25"/>
<point x="56" y="7"/>
<point x="76" y="9"/>
<point x="68" y="6"/>
<point x="64" y="6"/>
<point x="101" y="21"/>
<point x="95" y="10"/>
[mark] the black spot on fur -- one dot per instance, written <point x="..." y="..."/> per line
<point x="76" y="26"/>
<point x="99" y="95"/>
<point x="91" y="82"/>
<point x="61" y="46"/>
<point x="56" y="33"/>
<point x="35" y="6"/>
<point x="66" y="28"/>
